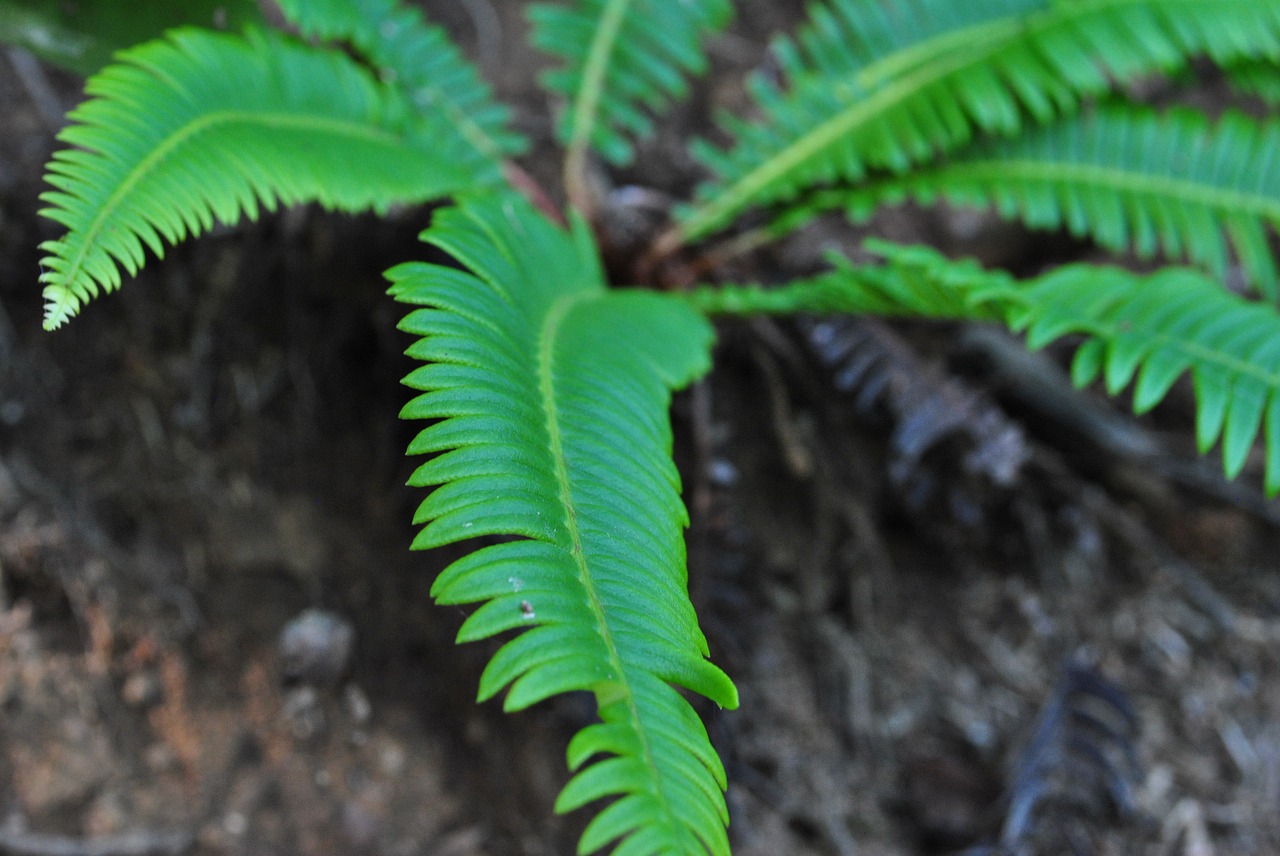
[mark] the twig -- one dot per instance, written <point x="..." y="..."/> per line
<point x="170" y="843"/>
<point x="528" y="187"/>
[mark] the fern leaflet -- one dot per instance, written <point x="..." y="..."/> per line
<point x="876" y="86"/>
<point x="421" y="60"/>
<point x="1145" y="330"/>
<point x="550" y="394"/>
<point x="1260" y="78"/>
<point x="1128" y="178"/>
<point x="202" y="126"/>
<point x="623" y="58"/>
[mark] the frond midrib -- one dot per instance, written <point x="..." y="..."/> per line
<point x="977" y="34"/>
<point x="706" y="217"/>
<point x="920" y="53"/>
<point x="1201" y="356"/>
<point x="1048" y="171"/>
<point x="547" y="393"/>
<point x="586" y="103"/>
<point x="201" y="124"/>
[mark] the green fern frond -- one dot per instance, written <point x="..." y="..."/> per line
<point x="420" y="59"/>
<point x="1150" y="330"/>
<point x="203" y="126"/>
<point x="549" y="395"/>
<point x="884" y="86"/>
<point x="1141" y="330"/>
<point x="622" y="60"/>
<point x="861" y="289"/>
<point x="1260" y="78"/>
<point x="1128" y="178"/>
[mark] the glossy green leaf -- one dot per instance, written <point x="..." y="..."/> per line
<point x="203" y="127"/>
<point x="557" y="436"/>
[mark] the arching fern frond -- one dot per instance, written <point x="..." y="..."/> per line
<point x="1128" y="178"/>
<point x="202" y="126"/>
<point x="885" y="86"/>
<point x="420" y="59"/>
<point x="622" y="59"/>
<point x="548" y="398"/>
<point x="1145" y="330"/>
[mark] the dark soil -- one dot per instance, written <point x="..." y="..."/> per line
<point x="212" y="453"/>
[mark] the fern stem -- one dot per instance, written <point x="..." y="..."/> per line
<point x="738" y="196"/>
<point x="587" y="103"/>
<point x="1110" y="178"/>
<point x="527" y="186"/>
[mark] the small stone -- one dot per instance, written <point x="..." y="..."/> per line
<point x="141" y="689"/>
<point x="159" y="758"/>
<point x="303" y="712"/>
<point x="359" y="825"/>
<point x="722" y="473"/>
<point x="235" y="823"/>
<point x="391" y="759"/>
<point x="315" y="647"/>
<point x="358" y="706"/>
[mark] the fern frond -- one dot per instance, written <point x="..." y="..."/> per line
<point x="915" y="282"/>
<point x="1150" y="330"/>
<point x="1128" y="178"/>
<point x="551" y="394"/>
<point x="885" y="86"/>
<point x="1260" y="78"/>
<point x="203" y="126"/>
<point x="420" y="59"/>
<point x="1145" y="330"/>
<point x="622" y="60"/>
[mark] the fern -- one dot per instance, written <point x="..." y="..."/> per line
<point x="545" y="394"/>
<point x="551" y="393"/>
<point x="884" y="87"/>
<point x="1145" y="330"/>
<point x="622" y="59"/>
<point x="1129" y="179"/>
<point x="419" y="59"/>
<point x="203" y="126"/>
<point x="1257" y="78"/>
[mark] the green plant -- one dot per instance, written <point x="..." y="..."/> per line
<point x="544" y="392"/>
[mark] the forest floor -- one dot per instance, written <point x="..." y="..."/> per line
<point x="211" y="456"/>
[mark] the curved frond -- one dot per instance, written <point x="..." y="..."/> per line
<point x="420" y="59"/>
<point x="1128" y="178"/>
<point x="623" y="59"/>
<point x="203" y="126"/>
<point x="884" y="86"/>
<point x="548" y="395"/>
<point x="1144" y="330"/>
